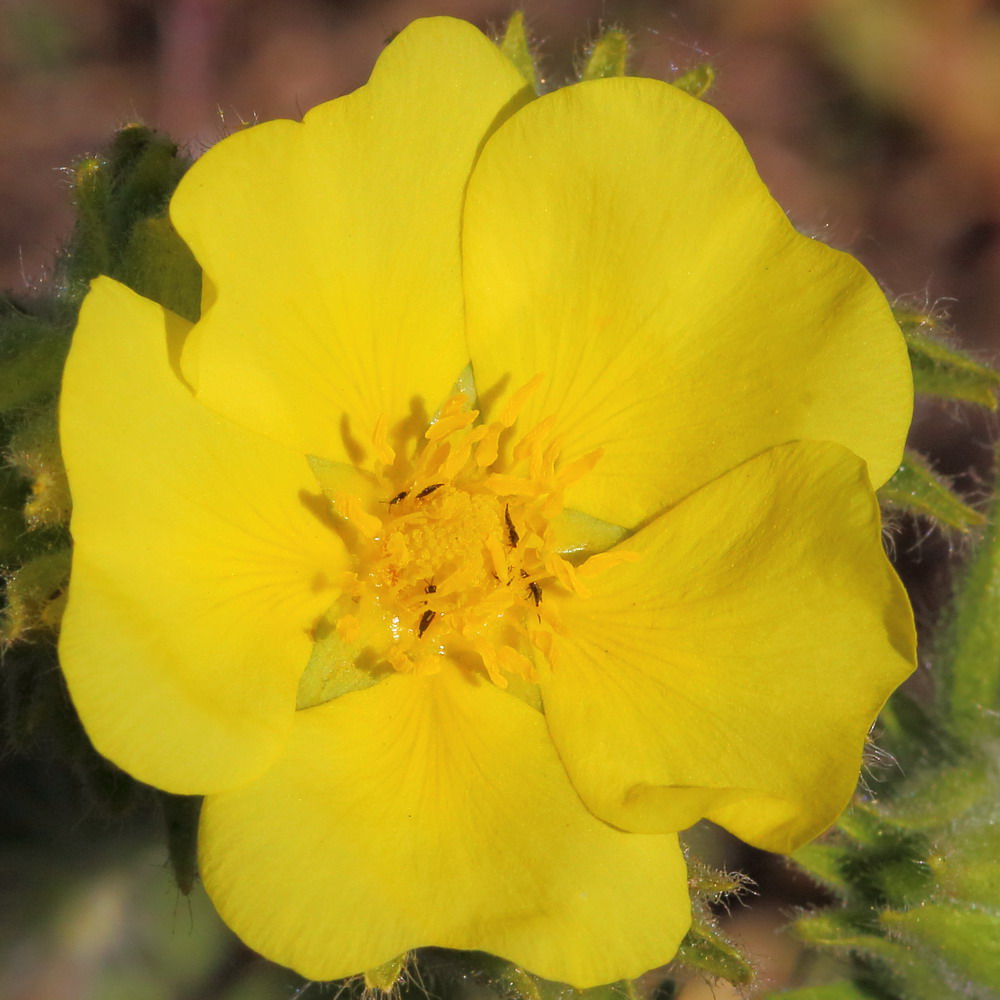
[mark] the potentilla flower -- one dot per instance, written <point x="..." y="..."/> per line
<point x="508" y="510"/>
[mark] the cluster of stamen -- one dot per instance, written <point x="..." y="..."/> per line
<point x="458" y="554"/>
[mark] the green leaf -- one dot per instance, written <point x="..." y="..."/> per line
<point x="608" y="56"/>
<point x="696" y="81"/>
<point x="514" y="45"/>
<point x="916" y="489"/>
<point x="940" y="370"/>
<point x="843" y="990"/>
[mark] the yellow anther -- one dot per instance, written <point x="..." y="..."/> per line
<point x="489" y="447"/>
<point x="517" y="663"/>
<point x="541" y="639"/>
<point x="399" y="661"/>
<point x="380" y="440"/>
<point x="457" y="457"/>
<point x="517" y="400"/>
<point x="504" y="485"/>
<point x="488" y="653"/>
<point x="446" y="425"/>
<point x="565" y="573"/>
<point x="454" y="405"/>
<point x="349" y="628"/>
<point x="424" y="666"/>
<point x="525" y="447"/>
<point x="574" y="470"/>
<point x="605" y="560"/>
<point x="350" y="508"/>
<point x="455" y="548"/>
<point x="498" y="559"/>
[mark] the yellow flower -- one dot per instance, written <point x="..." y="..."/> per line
<point x="309" y="500"/>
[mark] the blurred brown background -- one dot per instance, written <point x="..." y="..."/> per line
<point x="876" y="123"/>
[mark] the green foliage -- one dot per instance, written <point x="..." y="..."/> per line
<point x="969" y="652"/>
<point x="940" y="370"/>
<point x="608" y="56"/>
<point x="515" y="46"/>
<point x="706" y="948"/>
<point x="696" y="81"/>
<point x="121" y="229"/>
<point x="843" y="990"/>
<point x="916" y="873"/>
<point x="916" y="489"/>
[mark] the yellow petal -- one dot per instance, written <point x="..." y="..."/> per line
<point x="199" y="565"/>
<point x="434" y="811"/>
<point x="618" y="238"/>
<point x="734" y="671"/>
<point x="332" y="248"/>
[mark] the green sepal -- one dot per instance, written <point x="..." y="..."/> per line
<point x="608" y="56"/>
<point x="180" y="820"/>
<point x="696" y="81"/>
<point x="36" y="595"/>
<point x="707" y="949"/>
<point x="159" y="266"/>
<point x="888" y="969"/>
<point x="32" y="353"/>
<point x="35" y="454"/>
<point x="917" y="489"/>
<point x="385" y="977"/>
<point x="515" y="46"/>
<point x="842" y="930"/>
<point x="940" y="370"/>
<point x="337" y="667"/>
<point x="13" y="534"/>
<point x="516" y="984"/>
<point x="966" y="940"/>
<point x="825" y="863"/>
<point x="912" y="733"/>
<point x="887" y="864"/>
<point x="115" y="195"/>
<point x="968" y="666"/>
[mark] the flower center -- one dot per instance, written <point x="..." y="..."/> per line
<point x="456" y="551"/>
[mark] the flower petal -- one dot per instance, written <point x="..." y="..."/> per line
<point x="734" y="670"/>
<point x="434" y="811"/>
<point x="618" y="239"/>
<point x="198" y="567"/>
<point x="332" y="247"/>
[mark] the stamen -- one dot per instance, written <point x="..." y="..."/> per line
<point x="366" y="523"/>
<point x="578" y="468"/>
<point x="488" y="449"/>
<point x="457" y="551"/>
<point x="605" y="560"/>
<point x="517" y="400"/>
<point x="444" y="426"/>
